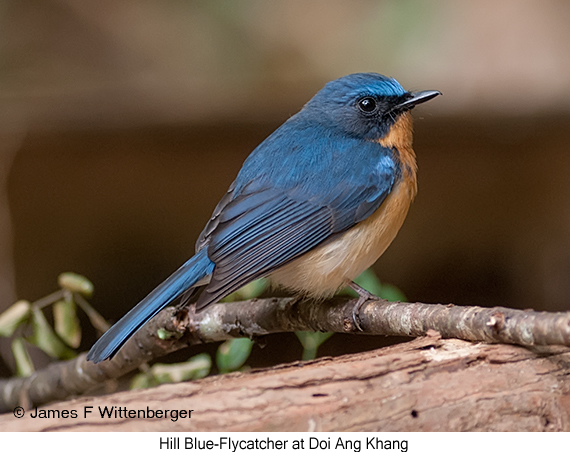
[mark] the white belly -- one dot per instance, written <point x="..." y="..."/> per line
<point x="321" y="272"/>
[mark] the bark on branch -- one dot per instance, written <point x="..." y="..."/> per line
<point x="260" y="317"/>
<point x="429" y="384"/>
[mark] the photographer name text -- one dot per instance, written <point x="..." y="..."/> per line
<point x="111" y="412"/>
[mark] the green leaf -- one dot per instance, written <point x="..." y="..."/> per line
<point x="66" y="322"/>
<point x="166" y="335"/>
<point x="75" y="283"/>
<point x="14" y="316"/>
<point x="311" y="341"/>
<point x="196" y="367"/>
<point x="45" y="338"/>
<point x="143" y="381"/>
<point x="233" y="354"/>
<point x="24" y="364"/>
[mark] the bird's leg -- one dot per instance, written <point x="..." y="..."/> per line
<point x="184" y="299"/>
<point x="296" y="298"/>
<point x="363" y="297"/>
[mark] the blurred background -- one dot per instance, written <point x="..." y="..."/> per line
<point x="122" y="123"/>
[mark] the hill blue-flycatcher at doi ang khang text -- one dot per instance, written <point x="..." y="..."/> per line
<point x="312" y="207"/>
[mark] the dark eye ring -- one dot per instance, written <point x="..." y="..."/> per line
<point x="367" y="104"/>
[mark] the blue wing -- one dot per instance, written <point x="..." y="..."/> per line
<point x="286" y="210"/>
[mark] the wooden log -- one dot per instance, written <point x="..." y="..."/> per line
<point x="429" y="384"/>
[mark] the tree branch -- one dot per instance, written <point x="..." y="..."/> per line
<point x="260" y="317"/>
<point x="428" y="384"/>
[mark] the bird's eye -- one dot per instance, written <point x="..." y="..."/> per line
<point x="367" y="104"/>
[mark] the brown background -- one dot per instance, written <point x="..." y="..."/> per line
<point x="122" y="123"/>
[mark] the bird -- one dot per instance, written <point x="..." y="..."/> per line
<point x="313" y="206"/>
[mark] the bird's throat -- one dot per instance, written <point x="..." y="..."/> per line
<point x="400" y="139"/>
<point x="400" y="134"/>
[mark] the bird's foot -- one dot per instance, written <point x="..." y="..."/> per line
<point x="363" y="297"/>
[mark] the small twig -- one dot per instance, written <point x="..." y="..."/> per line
<point x="49" y="299"/>
<point x="260" y="317"/>
<point x="95" y="318"/>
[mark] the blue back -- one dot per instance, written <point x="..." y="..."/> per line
<point x="317" y="175"/>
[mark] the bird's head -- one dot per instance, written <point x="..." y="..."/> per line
<point x="365" y="105"/>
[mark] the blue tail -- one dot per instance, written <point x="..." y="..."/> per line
<point x="176" y="284"/>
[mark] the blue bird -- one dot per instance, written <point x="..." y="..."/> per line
<point x="313" y="206"/>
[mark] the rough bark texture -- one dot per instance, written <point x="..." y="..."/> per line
<point x="429" y="384"/>
<point x="260" y="317"/>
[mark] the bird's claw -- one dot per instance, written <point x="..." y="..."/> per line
<point x="363" y="297"/>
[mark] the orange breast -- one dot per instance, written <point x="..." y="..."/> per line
<point x="322" y="271"/>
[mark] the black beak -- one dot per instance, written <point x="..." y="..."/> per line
<point x="416" y="99"/>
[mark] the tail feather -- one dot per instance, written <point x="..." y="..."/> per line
<point x="175" y="285"/>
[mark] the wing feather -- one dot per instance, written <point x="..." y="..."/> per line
<point x="272" y="219"/>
